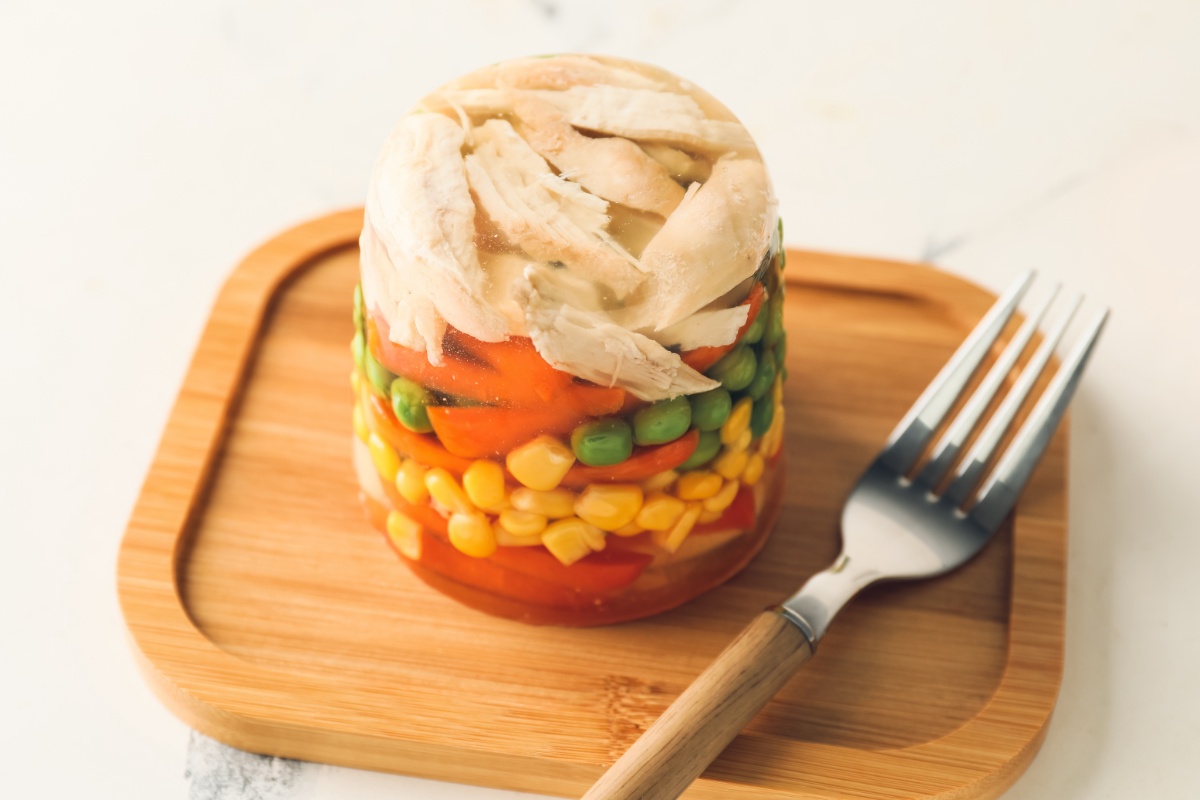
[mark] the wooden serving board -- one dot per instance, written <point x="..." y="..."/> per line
<point x="267" y="613"/>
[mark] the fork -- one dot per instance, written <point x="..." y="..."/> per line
<point x="898" y="523"/>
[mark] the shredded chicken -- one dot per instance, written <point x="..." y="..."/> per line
<point x="645" y="114"/>
<point x="590" y="345"/>
<point x="714" y="240"/>
<point x="547" y="216"/>
<point x="421" y="168"/>
<point x="613" y="168"/>
<point x="679" y="164"/>
<point x="708" y="328"/>
<point x="640" y="114"/>
<point x="563" y="72"/>
<point x="567" y="220"/>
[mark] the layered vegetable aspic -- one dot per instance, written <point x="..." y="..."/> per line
<point x="569" y="344"/>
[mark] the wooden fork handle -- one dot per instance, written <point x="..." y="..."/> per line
<point x="709" y="714"/>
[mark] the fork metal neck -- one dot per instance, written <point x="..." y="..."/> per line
<point x="813" y="607"/>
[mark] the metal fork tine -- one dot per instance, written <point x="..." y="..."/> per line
<point x="948" y="447"/>
<point x="910" y="437"/>
<point x="972" y="467"/>
<point x="1012" y="473"/>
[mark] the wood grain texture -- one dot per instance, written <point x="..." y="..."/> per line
<point x="266" y="613"/>
<point x="698" y="726"/>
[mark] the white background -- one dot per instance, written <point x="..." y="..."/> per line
<point x="145" y="147"/>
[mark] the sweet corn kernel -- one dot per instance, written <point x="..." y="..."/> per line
<point x="405" y="534"/>
<point x="670" y="540"/>
<point x="707" y="516"/>
<point x="555" y="504"/>
<point x="659" y="512"/>
<point x="724" y="498"/>
<point x="609" y="506"/>
<point x="506" y="538"/>
<point x="360" y="424"/>
<point x="754" y="470"/>
<point x="776" y="433"/>
<point x="730" y="463"/>
<point x="772" y="440"/>
<point x="738" y="421"/>
<point x="571" y="539"/>
<point x="410" y="482"/>
<point x="632" y="529"/>
<point x="446" y="492"/>
<point x="522" y="523"/>
<point x="484" y="484"/>
<point x="386" y="459"/>
<point x="659" y="481"/>
<point x="355" y="381"/>
<point x="698" y="485"/>
<point x="540" y="463"/>
<point x="472" y="534"/>
<point x="743" y="441"/>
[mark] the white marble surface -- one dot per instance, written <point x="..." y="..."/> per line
<point x="145" y="147"/>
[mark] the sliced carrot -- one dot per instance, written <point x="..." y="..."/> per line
<point x="702" y="358"/>
<point x="510" y="373"/>
<point x="490" y="431"/>
<point x="455" y="376"/>
<point x="644" y="462"/>
<point x="424" y="447"/>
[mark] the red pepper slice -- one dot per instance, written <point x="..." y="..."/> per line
<point x="599" y="572"/>
<point x="441" y="557"/>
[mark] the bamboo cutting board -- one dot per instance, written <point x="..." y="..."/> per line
<point x="266" y="613"/>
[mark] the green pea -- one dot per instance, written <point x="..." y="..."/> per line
<point x="775" y="319"/>
<point x="706" y="450"/>
<point x="377" y="374"/>
<point x="665" y="421"/>
<point x="755" y="331"/>
<point x="764" y="377"/>
<point x="409" y="402"/>
<point x="710" y="409"/>
<point x="359" y="316"/>
<point x="781" y="351"/>
<point x="736" y="368"/>
<point x="761" y="415"/>
<point x="358" y="347"/>
<point x="602" y="442"/>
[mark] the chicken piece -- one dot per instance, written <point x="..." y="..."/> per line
<point x="412" y="320"/>
<point x="679" y="164"/>
<point x="707" y="328"/>
<point x="637" y="114"/>
<point x="420" y="208"/>
<point x="548" y="217"/>
<point x="504" y="271"/>
<point x="644" y="114"/>
<point x="714" y="241"/>
<point x="590" y="345"/>
<point x="563" y="72"/>
<point x="613" y="168"/>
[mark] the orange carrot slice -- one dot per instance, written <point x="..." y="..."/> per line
<point x="644" y="462"/>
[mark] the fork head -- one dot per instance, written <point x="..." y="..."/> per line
<point x="901" y="522"/>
